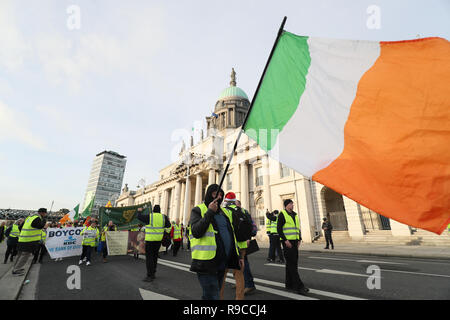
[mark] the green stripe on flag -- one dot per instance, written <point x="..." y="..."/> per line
<point x="280" y="91"/>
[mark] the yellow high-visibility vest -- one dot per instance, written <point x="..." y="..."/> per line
<point x="15" y="232"/>
<point x="154" y="231"/>
<point x="291" y="228"/>
<point x="28" y="233"/>
<point x="176" y="232"/>
<point x="90" y="236"/>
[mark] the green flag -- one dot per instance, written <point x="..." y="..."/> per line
<point x="87" y="211"/>
<point x="73" y="214"/>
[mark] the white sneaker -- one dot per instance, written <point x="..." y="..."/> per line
<point x="81" y="261"/>
<point x="84" y="259"/>
<point x="88" y="263"/>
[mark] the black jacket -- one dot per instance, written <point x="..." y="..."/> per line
<point x="327" y="225"/>
<point x="281" y="222"/>
<point x="200" y="225"/>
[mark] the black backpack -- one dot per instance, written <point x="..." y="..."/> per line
<point x="242" y="223"/>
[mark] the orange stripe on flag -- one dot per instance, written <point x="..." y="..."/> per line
<point x="396" y="158"/>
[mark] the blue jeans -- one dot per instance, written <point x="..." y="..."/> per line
<point x="248" y="277"/>
<point x="211" y="284"/>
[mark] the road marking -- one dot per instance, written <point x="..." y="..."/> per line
<point x="150" y="295"/>
<point x="278" y="292"/>
<point x="185" y="267"/>
<point x="418" y="273"/>
<point x="261" y="288"/>
<point x="314" y="291"/>
<point x="325" y="271"/>
<point x="363" y="261"/>
<point x="379" y="262"/>
<point x="342" y="273"/>
<point x="323" y="258"/>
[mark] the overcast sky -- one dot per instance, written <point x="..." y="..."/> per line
<point x="127" y="75"/>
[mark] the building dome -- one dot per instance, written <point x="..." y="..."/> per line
<point x="233" y="93"/>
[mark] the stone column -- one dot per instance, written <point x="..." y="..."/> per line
<point x="354" y="219"/>
<point x="182" y="195"/>
<point x="165" y="201"/>
<point x="211" y="177"/>
<point x="177" y="199"/>
<point x="305" y="209"/>
<point x="244" y="186"/>
<point x="399" y="229"/>
<point x="198" y="189"/>
<point x="187" y="202"/>
<point x="266" y="186"/>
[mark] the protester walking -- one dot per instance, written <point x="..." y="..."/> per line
<point x="12" y="233"/>
<point x="288" y="227"/>
<point x="249" y="284"/>
<point x="274" y="238"/>
<point x="109" y="227"/>
<point x="29" y="239"/>
<point x="176" y="234"/>
<point x="90" y="236"/>
<point x="327" y="228"/>
<point x="235" y="214"/>
<point x="213" y="245"/>
<point x="155" y="222"/>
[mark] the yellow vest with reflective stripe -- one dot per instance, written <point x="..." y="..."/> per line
<point x="291" y="228"/>
<point x="205" y="247"/>
<point x="28" y="233"/>
<point x="240" y="244"/>
<point x="43" y="235"/>
<point x="268" y="226"/>
<point x="154" y="231"/>
<point x="90" y="236"/>
<point x="273" y="226"/>
<point x="15" y="232"/>
<point x="176" y="232"/>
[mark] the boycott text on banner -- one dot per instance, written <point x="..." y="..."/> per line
<point x="124" y="218"/>
<point x="136" y="242"/>
<point x="117" y="242"/>
<point x="63" y="243"/>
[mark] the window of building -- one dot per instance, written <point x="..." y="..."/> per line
<point x="259" y="177"/>
<point x="229" y="181"/>
<point x="284" y="171"/>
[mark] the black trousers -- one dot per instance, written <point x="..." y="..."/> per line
<point x="292" y="279"/>
<point x="104" y="250"/>
<point x="39" y="253"/>
<point x="329" y="240"/>
<point x="176" y="247"/>
<point x="11" y="249"/>
<point x="151" y="256"/>
<point x="275" y="246"/>
<point x="87" y="250"/>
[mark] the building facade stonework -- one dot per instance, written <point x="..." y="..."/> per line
<point x="260" y="183"/>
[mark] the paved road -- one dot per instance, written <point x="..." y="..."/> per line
<point x="330" y="277"/>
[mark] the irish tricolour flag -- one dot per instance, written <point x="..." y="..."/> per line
<point x="370" y="120"/>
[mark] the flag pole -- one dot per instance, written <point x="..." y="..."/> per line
<point x="280" y="32"/>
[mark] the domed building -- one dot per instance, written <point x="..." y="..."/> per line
<point x="230" y="109"/>
<point x="259" y="182"/>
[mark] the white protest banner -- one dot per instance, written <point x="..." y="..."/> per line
<point x="63" y="243"/>
<point x="117" y="242"/>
